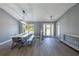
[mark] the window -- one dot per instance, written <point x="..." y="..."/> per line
<point x="29" y="28"/>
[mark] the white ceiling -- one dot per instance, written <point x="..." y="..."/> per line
<point x="37" y="11"/>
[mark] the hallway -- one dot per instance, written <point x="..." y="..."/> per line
<point x="48" y="47"/>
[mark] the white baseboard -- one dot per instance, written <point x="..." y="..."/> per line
<point x="2" y="43"/>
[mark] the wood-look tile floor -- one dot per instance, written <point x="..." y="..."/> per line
<point x="47" y="47"/>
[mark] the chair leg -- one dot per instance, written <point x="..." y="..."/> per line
<point x="20" y="44"/>
<point x="13" y="45"/>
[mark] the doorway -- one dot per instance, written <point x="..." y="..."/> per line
<point x="48" y="29"/>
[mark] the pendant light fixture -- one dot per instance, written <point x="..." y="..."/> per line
<point x="23" y="18"/>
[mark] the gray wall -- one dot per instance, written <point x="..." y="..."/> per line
<point x="21" y="28"/>
<point x="8" y="25"/>
<point x="69" y="22"/>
